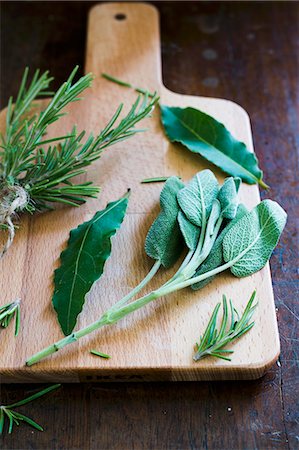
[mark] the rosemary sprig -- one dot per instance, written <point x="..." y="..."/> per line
<point x="34" y="174"/>
<point x="7" y="312"/>
<point x="15" y="417"/>
<point x="212" y="342"/>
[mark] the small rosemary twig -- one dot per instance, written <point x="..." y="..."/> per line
<point x="212" y="342"/>
<point x="7" y="312"/>
<point x="15" y="417"/>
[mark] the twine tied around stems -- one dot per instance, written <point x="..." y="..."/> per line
<point x="12" y="199"/>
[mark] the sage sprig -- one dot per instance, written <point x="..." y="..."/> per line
<point x="8" y="312"/>
<point x="212" y="220"/>
<point x="212" y="342"/>
<point x="36" y="172"/>
<point x="15" y="418"/>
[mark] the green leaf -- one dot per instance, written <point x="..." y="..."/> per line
<point x="251" y="240"/>
<point x="189" y="231"/>
<point x="34" y="396"/>
<point x="164" y="240"/>
<point x="204" y="135"/>
<point x="29" y="421"/>
<point x="215" y="258"/>
<point x="100" y="354"/>
<point x="82" y="263"/>
<point x="196" y="199"/>
<point x="228" y="197"/>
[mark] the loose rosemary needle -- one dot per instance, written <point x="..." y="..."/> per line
<point x="155" y="180"/>
<point x="126" y="84"/>
<point x="101" y="354"/>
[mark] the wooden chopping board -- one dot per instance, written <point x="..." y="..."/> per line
<point x="155" y="343"/>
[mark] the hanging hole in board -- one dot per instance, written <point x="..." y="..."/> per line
<point x="120" y="16"/>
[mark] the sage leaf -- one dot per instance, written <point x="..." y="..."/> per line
<point x="228" y="197"/>
<point x="189" y="231"/>
<point x="196" y="199"/>
<point x="215" y="258"/>
<point x="204" y="135"/>
<point x="214" y="215"/>
<point x="251" y="240"/>
<point x="82" y="262"/>
<point x="164" y="239"/>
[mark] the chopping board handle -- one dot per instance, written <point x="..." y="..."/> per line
<point x="123" y="40"/>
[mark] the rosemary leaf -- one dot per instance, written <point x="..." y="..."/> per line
<point x="126" y="84"/>
<point x="116" y="80"/>
<point x="156" y="179"/>
<point x="102" y="355"/>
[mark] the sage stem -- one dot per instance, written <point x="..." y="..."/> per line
<point x="114" y="314"/>
<point x="108" y="318"/>
<point x="141" y="285"/>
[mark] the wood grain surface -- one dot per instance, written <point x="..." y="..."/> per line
<point x="157" y="342"/>
<point x="196" y="60"/>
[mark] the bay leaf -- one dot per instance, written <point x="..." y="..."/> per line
<point x="202" y="134"/>
<point x="164" y="239"/>
<point x="82" y="262"/>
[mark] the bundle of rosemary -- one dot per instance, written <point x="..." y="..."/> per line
<point x="36" y="172"/>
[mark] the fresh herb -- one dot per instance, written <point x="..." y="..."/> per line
<point x="125" y="84"/>
<point x="34" y="174"/>
<point x="192" y="217"/>
<point x="204" y="135"/>
<point x="212" y="342"/>
<point x="82" y="262"/>
<point x="15" y="417"/>
<point x="100" y="354"/>
<point x="164" y="242"/>
<point x="116" y="80"/>
<point x="7" y="312"/>
<point x="156" y="179"/>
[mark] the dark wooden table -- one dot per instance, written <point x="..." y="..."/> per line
<point x="245" y="52"/>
